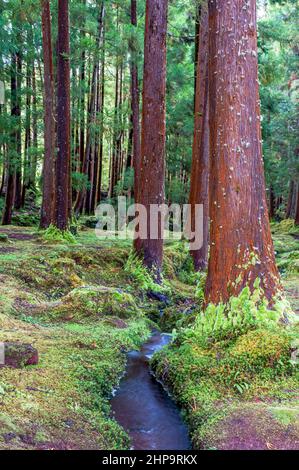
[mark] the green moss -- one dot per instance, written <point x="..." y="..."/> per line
<point x="286" y="415"/>
<point x="92" y="302"/>
<point x="286" y="226"/>
<point x="3" y="238"/>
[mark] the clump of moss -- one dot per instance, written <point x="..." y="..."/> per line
<point x="91" y="302"/>
<point x="286" y="226"/>
<point x="288" y="263"/>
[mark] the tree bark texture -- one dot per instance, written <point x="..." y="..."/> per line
<point x="241" y="244"/>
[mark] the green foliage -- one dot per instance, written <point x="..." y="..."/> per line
<point x="54" y="235"/>
<point x="145" y="281"/>
<point x="278" y="62"/>
<point x="212" y="369"/>
<point x="3" y="238"/>
<point x="241" y="314"/>
<point x="26" y="219"/>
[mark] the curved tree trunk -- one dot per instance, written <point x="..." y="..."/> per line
<point x="241" y="244"/>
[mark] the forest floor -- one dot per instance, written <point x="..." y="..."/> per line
<point x="83" y="305"/>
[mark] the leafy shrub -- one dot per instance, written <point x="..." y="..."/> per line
<point x="135" y="268"/>
<point x="241" y="314"/>
<point x="54" y="235"/>
<point x="26" y="219"/>
<point x="3" y="238"/>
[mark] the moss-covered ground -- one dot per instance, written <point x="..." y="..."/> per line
<point x="75" y="304"/>
<point x="84" y="304"/>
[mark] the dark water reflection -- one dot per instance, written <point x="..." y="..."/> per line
<point x="144" y="409"/>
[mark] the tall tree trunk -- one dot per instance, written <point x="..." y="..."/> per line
<point x="33" y="160"/>
<point x="12" y="153"/>
<point x="241" y="244"/>
<point x="18" y="156"/>
<point x="292" y="200"/>
<point x="115" y="131"/>
<point x="101" y="144"/>
<point x="297" y="207"/>
<point x="47" y="210"/>
<point x="152" y="174"/>
<point x="196" y="44"/>
<point x="63" y="117"/>
<point x="135" y="103"/>
<point x="271" y="203"/>
<point x="27" y="146"/>
<point x="199" y="189"/>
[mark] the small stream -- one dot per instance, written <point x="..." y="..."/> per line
<point x="144" y="409"/>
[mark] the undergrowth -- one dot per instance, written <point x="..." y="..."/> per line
<point x="55" y="235"/>
<point x="145" y="280"/>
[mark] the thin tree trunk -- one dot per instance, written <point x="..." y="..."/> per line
<point x="271" y="203"/>
<point x="101" y="145"/>
<point x="241" y="244"/>
<point x="152" y="174"/>
<point x="115" y="131"/>
<point x="199" y="189"/>
<point x="27" y="146"/>
<point x="292" y="200"/>
<point x="297" y="207"/>
<point x="63" y="117"/>
<point x="47" y="209"/>
<point x="33" y="160"/>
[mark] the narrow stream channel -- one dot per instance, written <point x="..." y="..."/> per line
<point x="144" y="409"/>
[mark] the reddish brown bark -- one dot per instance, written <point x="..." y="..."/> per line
<point x="241" y="244"/>
<point x="101" y="143"/>
<point x="63" y="117"/>
<point x="271" y="203"/>
<point x="135" y="103"/>
<point x="12" y="157"/>
<point x="47" y="209"/>
<point x="18" y="134"/>
<point x="199" y="188"/>
<point x="297" y="207"/>
<point x="152" y="173"/>
<point x="290" y="203"/>
<point x="27" y="144"/>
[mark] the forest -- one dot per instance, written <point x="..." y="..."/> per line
<point x="149" y="230"/>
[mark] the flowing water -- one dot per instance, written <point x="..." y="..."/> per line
<point x="142" y="406"/>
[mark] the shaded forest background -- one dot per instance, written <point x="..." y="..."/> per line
<point x="102" y="39"/>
